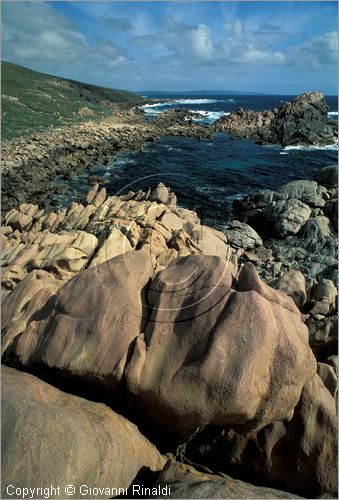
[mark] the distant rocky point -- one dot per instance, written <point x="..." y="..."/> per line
<point x="301" y="122"/>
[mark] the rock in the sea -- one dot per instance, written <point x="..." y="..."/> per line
<point x="303" y="121"/>
<point x="86" y="331"/>
<point x="217" y="348"/>
<point x="53" y="438"/>
<point x="186" y="482"/>
<point x="298" y="456"/>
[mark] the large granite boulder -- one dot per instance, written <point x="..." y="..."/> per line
<point x="196" y="345"/>
<point x="303" y="121"/>
<point x="217" y="349"/>
<point x="53" y="438"/>
<point x="317" y="233"/>
<point x="210" y="241"/>
<point x="86" y="331"/>
<point x="113" y="244"/>
<point x="298" y="456"/>
<point x="186" y="482"/>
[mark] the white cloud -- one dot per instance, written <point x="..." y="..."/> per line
<point x="201" y="42"/>
<point x="137" y="46"/>
<point x="319" y="51"/>
<point x="39" y="37"/>
<point x="245" y="46"/>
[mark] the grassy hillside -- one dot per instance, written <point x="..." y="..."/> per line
<point x="33" y="101"/>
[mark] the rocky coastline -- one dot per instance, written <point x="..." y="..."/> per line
<point x="301" y="122"/>
<point x="221" y="348"/>
<point x="144" y="349"/>
<point x="33" y="165"/>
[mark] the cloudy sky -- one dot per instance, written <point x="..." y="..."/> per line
<point x="271" y="47"/>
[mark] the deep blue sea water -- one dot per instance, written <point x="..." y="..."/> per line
<point x="207" y="175"/>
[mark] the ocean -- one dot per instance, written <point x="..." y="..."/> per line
<point x="207" y="175"/>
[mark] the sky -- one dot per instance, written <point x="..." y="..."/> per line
<point x="270" y="47"/>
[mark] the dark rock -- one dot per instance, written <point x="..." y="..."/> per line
<point x="304" y="121"/>
<point x="328" y="176"/>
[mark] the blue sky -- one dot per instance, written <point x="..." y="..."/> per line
<point x="271" y="47"/>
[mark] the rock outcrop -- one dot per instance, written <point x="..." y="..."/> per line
<point x="298" y="223"/>
<point x="33" y="166"/>
<point x="303" y="121"/>
<point x="209" y="325"/>
<point x="195" y="325"/>
<point x="131" y="301"/>
<point x="49" y="438"/>
<point x="86" y="329"/>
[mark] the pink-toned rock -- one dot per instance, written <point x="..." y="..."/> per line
<point x="218" y="350"/>
<point x="30" y="295"/>
<point x="53" y="438"/>
<point x="299" y="456"/>
<point x="186" y="482"/>
<point x="293" y="284"/>
<point x="87" y="330"/>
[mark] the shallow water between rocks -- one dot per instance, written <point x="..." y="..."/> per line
<point x="206" y="175"/>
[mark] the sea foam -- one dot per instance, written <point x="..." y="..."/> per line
<point x="207" y="116"/>
<point x="327" y="147"/>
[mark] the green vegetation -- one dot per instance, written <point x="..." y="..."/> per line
<point x="33" y="101"/>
